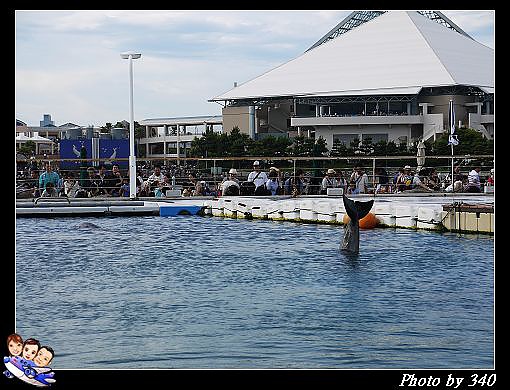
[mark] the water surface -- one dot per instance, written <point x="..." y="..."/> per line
<point x="192" y="292"/>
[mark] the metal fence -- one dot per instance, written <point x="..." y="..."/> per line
<point x="185" y="173"/>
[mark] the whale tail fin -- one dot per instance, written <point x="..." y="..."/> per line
<point x="356" y="209"/>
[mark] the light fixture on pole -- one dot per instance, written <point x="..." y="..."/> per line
<point x="130" y="55"/>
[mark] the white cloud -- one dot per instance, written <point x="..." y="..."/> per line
<point x="68" y="62"/>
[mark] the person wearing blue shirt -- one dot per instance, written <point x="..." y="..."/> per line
<point x="48" y="176"/>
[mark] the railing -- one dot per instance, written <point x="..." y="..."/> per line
<point x="212" y="171"/>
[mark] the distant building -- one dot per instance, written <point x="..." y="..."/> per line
<point x="46" y="121"/>
<point x="383" y="75"/>
<point x="172" y="137"/>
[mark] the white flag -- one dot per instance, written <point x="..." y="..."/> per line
<point x="452" y="138"/>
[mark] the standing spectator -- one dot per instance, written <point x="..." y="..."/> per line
<point x="48" y="176"/>
<point x="256" y="176"/>
<point x="382" y="181"/>
<point x="360" y="179"/>
<point x="341" y="182"/>
<point x="328" y="181"/>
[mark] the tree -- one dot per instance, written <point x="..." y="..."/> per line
<point x="470" y="142"/>
<point x="28" y="148"/>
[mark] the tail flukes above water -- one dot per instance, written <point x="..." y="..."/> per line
<point x="356" y="209"/>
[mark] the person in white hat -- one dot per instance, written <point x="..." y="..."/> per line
<point x="328" y="181"/>
<point x="230" y="184"/>
<point x="257" y="176"/>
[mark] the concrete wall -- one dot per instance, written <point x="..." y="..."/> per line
<point x="441" y="106"/>
<point x="236" y="116"/>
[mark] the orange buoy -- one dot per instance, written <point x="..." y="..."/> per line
<point x="369" y="221"/>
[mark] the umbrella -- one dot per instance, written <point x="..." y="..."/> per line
<point x="420" y="155"/>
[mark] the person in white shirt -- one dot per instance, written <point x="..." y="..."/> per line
<point x="473" y="184"/>
<point x="257" y="176"/>
<point x="329" y="181"/>
<point x="230" y="185"/>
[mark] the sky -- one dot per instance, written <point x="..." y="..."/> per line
<point x="68" y="64"/>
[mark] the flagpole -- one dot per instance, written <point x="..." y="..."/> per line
<point x="451" y="120"/>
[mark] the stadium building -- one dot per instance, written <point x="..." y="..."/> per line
<point x="384" y="75"/>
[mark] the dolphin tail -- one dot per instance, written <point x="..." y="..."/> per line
<point x="357" y="210"/>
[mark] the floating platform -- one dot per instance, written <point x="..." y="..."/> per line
<point x="63" y="207"/>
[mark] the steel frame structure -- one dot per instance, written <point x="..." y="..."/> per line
<point x="357" y="18"/>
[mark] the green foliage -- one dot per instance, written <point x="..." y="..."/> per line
<point x="27" y="149"/>
<point x="470" y="142"/>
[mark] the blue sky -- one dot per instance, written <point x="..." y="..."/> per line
<point x="68" y="62"/>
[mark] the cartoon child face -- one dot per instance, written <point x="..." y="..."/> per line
<point x="43" y="357"/>
<point x="15" y="348"/>
<point x="29" y="351"/>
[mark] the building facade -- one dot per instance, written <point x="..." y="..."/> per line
<point x="379" y="75"/>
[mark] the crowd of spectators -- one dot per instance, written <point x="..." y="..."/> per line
<point x="157" y="180"/>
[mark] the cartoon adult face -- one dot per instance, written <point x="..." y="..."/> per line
<point x="15" y="347"/>
<point x="43" y="357"/>
<point x="30" y="351"/>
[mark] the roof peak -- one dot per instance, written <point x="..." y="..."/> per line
<point x="357" y="18"/>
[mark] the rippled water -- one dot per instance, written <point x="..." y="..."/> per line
<point x="191" y="292"/>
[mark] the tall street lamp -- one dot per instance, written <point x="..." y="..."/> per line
<point x="130" y="55"/>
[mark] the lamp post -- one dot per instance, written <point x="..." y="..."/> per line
<point x="130" y="55"/>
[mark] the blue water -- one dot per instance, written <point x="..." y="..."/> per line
<point x="192" y="292"/>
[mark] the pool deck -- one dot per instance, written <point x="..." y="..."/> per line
<point x="429" y="211"/>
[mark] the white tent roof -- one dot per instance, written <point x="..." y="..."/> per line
<point x="36" y="138"/>
<point x="397" y="52"/>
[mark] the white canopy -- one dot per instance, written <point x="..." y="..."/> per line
<point x="35" y="138"/>
<point x="398" y="51"/>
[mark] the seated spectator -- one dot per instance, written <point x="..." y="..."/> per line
<point x="230" y="187"/>
<point x="295" y="185"/>
<point x="90" y="184"/>
<point x="50" y="190"/>
<point x="273" y="183"/>
<point x="124" y="188"/>
<point x="115" y="181"/>
<point x="432" y="180"/>
<point x="153" y="181"/>
<point x="473" y="181"/>
<point x="71" y="185"/>
<point x="103" y="180"/>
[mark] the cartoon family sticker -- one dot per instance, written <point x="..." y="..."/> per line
<point x="29" y="361"/>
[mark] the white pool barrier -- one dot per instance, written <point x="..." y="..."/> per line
<point x="326" y="211"/>
<point x="406" y="216"/>
<point x="290" y="210"/>
<point x="307" y="212"/>
<point x="217" y="207"/>
<point x="229" y="207"/>
<point x="385" y="213"/>
<point x="429" y="217"/>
